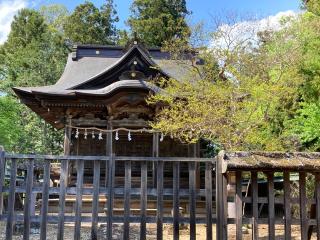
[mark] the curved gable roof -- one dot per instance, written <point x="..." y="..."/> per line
<point x="87" y="63"/>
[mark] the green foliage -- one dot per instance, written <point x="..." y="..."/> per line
<point x="313" y="6"/>
<point x="306" y="125"/>
<point x="21" y="130"/>
<point x="158" y="21"/>
<point x="55" y="15"/>
<point x="28" y="26"/>
<point x="34" y="60"/>
<point x="91" y="25"/>
<point x="9" y="121"/>
<point x="244" y="102"/>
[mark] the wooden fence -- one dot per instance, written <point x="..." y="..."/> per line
<point x="214" y="197"/>
<point x="267" y="166"/>
<point x="193" y="194"/>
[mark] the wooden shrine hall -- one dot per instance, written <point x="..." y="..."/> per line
<point x="105" y="88"/>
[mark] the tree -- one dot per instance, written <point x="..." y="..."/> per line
<point x="243" y="105"/>
<point x="33" y="55"/>
<point x="158" y="21"/>
<point x="304" y="124"/>
<point x="55" y="15"/>
<point x="91" y="25"/>
<point x="313" y="6"/>
<point x="27" y="26"/>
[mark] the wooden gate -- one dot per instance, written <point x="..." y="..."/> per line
<point x="301" y="170"/>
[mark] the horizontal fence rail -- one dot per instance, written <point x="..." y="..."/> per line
<point x="44" y="180"/>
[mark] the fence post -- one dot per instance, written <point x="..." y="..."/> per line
<point x="2" y="173"/>
<point x="221" y="197"/>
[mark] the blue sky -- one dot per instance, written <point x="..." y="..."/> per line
<point x="203" y="9"/>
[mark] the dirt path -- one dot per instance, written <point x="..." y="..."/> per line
<point x="151" y="233"/>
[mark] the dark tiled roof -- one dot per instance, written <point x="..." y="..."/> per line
<point x="87" y="62"/>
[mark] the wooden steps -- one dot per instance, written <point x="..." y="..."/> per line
<point x="118" y="207"/>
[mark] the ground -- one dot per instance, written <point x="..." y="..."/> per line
<point x="167" y="232"/>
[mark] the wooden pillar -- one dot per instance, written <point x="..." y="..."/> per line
<point x="221" y="197"/>
<point x="67" y="144"/>
<point x="155" y="153"/>
<point x="67" y="136"/>
<point x="194" y="153"/>
<point x="109" y="150"/>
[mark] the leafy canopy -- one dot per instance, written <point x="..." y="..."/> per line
<point x="33" y="55"/>
<point x="158" y="21"/>
<point x="91" y="25"/>
<point x="243" y="105"/>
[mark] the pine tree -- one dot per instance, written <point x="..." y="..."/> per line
<point x="91" y="25"/>
<point x="158" y="21"/>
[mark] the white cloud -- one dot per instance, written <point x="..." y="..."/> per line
<point x="245" y="32"/>
<point x="7" y="11"/>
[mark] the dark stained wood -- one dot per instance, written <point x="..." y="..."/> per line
<point x="62" y="195"/>
<point x="109" y="152"/>
<point x="27" y="205"/>
<point x="225" y="205"/>
<point x="208" y="187"/>
<point x="95" y="200"/>
<point x="255" y="212"/>
<point x="143" y="201"/>
<point x="287" y="205"/>
<point x="303" y="204"/>
<point x="221" y="198"/>
<point x="271" y="206"/>
<point x="117" y="158"/>
<point x="11" y="199"/>
<point x="317" y="185"/>
<point x="2" y="173"/>
<point x="176" y="186"/>
<point x="155" y="153"/>
<point x="238" y="205"/>
<point x="160" y="200"/>
<point x="77" y="227"/>
<point x="44" y="203"/>
<point x="111" y="174"/>
<point x="192" y="200"/>
<point x="67" y="137"/>
<point x="127" y="187"/>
